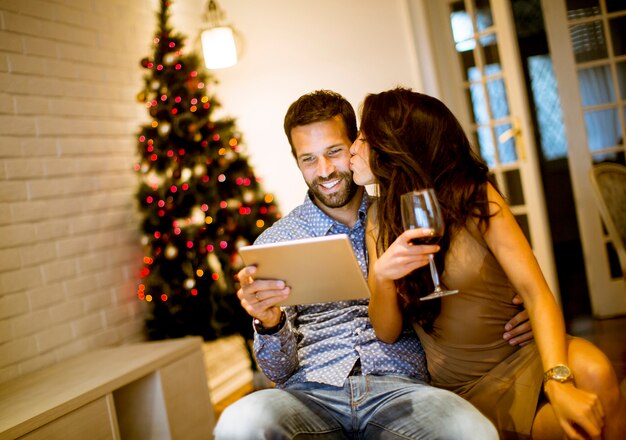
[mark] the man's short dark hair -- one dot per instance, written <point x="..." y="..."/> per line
<point x="319" y="106"/>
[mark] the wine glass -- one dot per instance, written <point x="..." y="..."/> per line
<point x="420" y="209"/>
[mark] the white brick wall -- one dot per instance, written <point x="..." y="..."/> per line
<point x="69" y="242"/>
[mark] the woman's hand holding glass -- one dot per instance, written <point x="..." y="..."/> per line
<point x="420" y="209"/>
<point x="403" y="257"/>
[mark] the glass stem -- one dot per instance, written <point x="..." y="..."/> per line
<point x="433" y="272"/>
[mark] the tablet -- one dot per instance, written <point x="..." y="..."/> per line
<point x="318" y="270"/>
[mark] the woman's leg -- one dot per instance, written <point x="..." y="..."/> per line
<point x="593" y="372"/>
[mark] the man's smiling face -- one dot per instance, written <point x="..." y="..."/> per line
<point x="323" y="155"/>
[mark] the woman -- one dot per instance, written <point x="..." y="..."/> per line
<point x="412" y="141"/>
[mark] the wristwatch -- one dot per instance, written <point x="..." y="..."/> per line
<point x="271" y="330"/>
<point x="560" y="373"/>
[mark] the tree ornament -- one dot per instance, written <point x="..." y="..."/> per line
<point x="171" y="252"/>
<point x="199" y="170"/>
<point x="164" y="128"/>
<point x="189" y="283"/>
<point x="248" y="196"/>
<point x="240" y="242"/>
<point x="214" y="263"/>
<point x="185" y="174"/>
<point x="169" y="58"/>
<point x="197" y="215"/>
<point x="192" y="84"/>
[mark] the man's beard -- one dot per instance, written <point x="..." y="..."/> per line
<point x="337" y="199"/>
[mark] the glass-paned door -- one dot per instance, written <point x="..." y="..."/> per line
<point x="588" y="46"/>
<point x="499" y="120"/>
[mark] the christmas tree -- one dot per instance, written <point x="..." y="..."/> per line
<point x="198" y="196"/>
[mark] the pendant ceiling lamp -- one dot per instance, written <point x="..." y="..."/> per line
<point x="218" y="40"/>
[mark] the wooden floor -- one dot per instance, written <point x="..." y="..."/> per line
<point x="608" y="334"/>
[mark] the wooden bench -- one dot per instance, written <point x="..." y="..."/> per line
<point x="152" y="390"/>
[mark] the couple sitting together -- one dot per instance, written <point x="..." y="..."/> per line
<point x="357" y="369"/>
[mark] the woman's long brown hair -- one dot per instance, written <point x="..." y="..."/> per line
<point x="415" y="143"/>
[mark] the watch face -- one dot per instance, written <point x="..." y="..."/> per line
<point x="560" y="372"/>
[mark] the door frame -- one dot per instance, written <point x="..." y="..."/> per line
<point x="439" y="70"/>
<point x="607" y="296"/>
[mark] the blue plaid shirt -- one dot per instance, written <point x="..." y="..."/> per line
<point x="322" y="342"/>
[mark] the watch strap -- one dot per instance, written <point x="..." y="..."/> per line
<point x="258" y="327"/>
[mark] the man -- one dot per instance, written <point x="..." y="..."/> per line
<point x="334" y="378"/>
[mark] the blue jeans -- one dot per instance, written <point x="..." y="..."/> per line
<point x="366" y="407"/>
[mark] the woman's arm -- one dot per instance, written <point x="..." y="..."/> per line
<point x="384" y="310"/>
<point x="510" y="247"/>
<point x="400" y="259"/>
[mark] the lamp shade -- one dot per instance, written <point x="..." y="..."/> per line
<point x="218" y="47"/>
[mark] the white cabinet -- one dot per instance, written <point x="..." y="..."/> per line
<point x="153" y="390"/>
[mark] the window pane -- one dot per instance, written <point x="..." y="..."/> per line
<point x="470" y="103"/>
<point x="621" y="78"/>
<point x="588" y="41"/>
<point x="617" y="157"/>
<point x="615" y="5"/>
<point x="469" y="65"/>
<point x="506" y="149"/>
<point x="513" y="184"/>
<point x="489" y="48"/>
<point x="582" y="8"/>
<point x="547" y="107"/>
<point x="622" y="138"/>
<point x="475" y="142"/>
<point x="483" y="15"/>
<point x="498" y="99"/>
<point x="458" y="6"/>
<point x="492" y="69"/>
<point x="603" y="129"/>
<point x="528" y="18"/>
<point x="462" y="29"/>
<point x="473" y="74"/>
<point x="479" y="104"/>
<point x="485" y="142"/>
<point x="618" y="35"/>
<point x="596" y="86"/>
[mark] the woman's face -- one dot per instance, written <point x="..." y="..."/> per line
<point x="360" y="161"/>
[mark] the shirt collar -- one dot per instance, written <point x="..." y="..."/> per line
<point x="311" y="210"/>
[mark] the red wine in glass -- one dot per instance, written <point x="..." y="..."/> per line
<point x="429" y="239"/>
<point x="420" y="209"/>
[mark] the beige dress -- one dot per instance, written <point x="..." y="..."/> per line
<point x="466" y="353"/>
